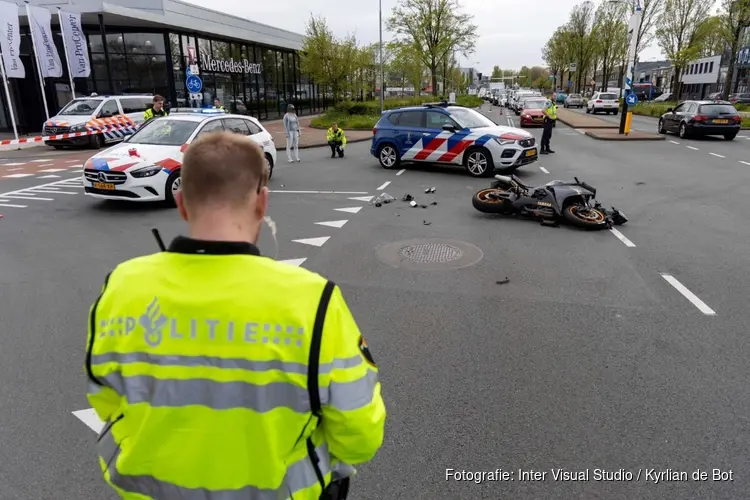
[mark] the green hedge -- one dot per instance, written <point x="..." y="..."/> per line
<point x="364" y="115"/>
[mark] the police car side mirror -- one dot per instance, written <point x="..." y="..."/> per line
<point x="449" y="127"/>
<point x="105" y="115"/>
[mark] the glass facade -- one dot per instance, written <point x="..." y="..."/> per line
<point x="246" y="77"/>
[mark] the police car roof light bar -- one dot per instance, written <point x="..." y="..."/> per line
<point x="204" y="111"/>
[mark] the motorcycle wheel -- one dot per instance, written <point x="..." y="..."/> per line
<point x="585" y="217"/>
<point x="489" y="205"/>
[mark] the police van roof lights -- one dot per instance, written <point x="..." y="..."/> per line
<point x="203" y="111"/>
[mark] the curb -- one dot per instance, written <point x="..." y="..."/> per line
<point x="624" y="137"/>
<point x="587" y="126"/>
<point x="320" y="145"/>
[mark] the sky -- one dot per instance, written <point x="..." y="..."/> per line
<point x="510" y="34"/>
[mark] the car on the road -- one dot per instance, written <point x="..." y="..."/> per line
<point x="116" y="116"/>
<point x="573" y="101"/>
<point x="450" y="135"/>
<point x="701" y="118"/>
<point x="146" y="166"/>
<point x="743" y="98"/>
<point x="525" y="97"/>
<point x="559" y="97"/>
<point x="603" y="102"/>
<point x="533" y="112"/>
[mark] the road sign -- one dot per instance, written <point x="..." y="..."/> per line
<point x="188" y="72"/>
<point x="194" y="84"/>
<point x="631" y="99"/>
<point x="194" y="69"/>
<point x="551" y="77"/>
<point x="572" y="67"/>
<point x="196" y="96"/>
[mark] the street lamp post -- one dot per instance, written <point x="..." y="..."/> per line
<point x="634" y="27"/>
<point x="382" y="81"/>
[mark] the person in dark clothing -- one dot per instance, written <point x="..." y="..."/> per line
<point x="550" y="116"/>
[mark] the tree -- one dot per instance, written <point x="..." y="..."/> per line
<point x="608" y="32"/>
<point x="712" y="37"/>
<point x="734" y="18"/>
<point x="556" y="52"/>
<point x="435" y="29"/>
<point x="405" y="63"/>
<point x="497" y="72"/>
<point x="650" y="13"/>
<point x="580" y="26"/>
<point x="678" y="33"/>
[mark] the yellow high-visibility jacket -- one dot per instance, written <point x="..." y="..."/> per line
<point x="150" y="113"/>
<point x="202" y="362"/>
<point x="338" y="135"/>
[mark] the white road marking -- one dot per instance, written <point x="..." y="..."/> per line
<point x="691" y="147"/>
<point x="316" y="192"/>
<point x="333" y="223"/>
<point x="702" y="307"/>
<point x="26" y="196"/>
<point x="12" y="206"/>
<point x="351" y="210"/>
<point x="24" y="191"/>
<point x="384" y="185"/>
<point x="719" y="156"/>
<point x="675" y="142"/>
<point x="361" y="198"/>
<point x="16" y="176"/>
<point x="582" y="132"/>
<point x="52" y="170"/>
<point x="51" y="191"/>
<point x="622" y="238"/>
<point x="40" y="161"/>
<point x="51" y="176"/>
<point x="15" y="169"/>
<point x="13" y="164"/>
<point x="316" y="242"/>
<point x="401" y="171"/>
<point x="71" y="161"/>
<point x="90" y="418"/>
<point x="544" y="170"/>
<point x="294" y="262"/>
<point x="744" y="162"/>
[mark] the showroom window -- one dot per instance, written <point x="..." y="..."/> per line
<point x="137" y="62"/>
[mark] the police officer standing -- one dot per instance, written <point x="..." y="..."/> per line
<point x="217" y="105"/>
<point x="222" y="374"/>
<point x="550" y="116"/>
<point x="156" y="110"/>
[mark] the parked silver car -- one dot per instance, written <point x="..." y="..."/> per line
<point x="573" y="101"/>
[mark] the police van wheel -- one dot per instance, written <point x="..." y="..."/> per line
<point x="269" y="165"/>
<point x="171" y="188"/>
<point x="97" y="141"/>
<point x="478" y="162"/>
<point x="388" y="156"/>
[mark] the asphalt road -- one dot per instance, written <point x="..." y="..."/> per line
<point x="589" y="358"/>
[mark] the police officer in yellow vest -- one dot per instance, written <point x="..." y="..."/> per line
<point x="217" y="105"/>
<point x="156" y="110"/>
<point x="222" y="374"/>
<point x="550" y="116"/>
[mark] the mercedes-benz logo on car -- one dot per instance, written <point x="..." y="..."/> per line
<point x="102" y="177"/>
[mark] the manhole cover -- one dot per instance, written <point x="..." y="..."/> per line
<point x="431" y="252"/>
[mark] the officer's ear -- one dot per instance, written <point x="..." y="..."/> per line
<point x="261" y="203"/>
<point x="180" y="205"/>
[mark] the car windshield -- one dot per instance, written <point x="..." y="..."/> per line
<point x="468" y="118"/>
<point x="165" y="132"/>
<point x="574" y="96"/>
<point x="717" y="109"/>
<point x="80" y="107"/>
<point x="608" y="97"/>
<point x="533" y="104"/>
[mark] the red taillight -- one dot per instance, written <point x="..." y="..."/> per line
<point x="374" y="130"/>
<point x="598" y="101"/>
<point x="700" y="118"/>
<point x="737" y="118"/>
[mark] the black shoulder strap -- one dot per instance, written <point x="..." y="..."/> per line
<point x="313" y="363"/>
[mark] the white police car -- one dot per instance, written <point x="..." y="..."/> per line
<point x="450" y="135"/>
<point x="146" y="166"/>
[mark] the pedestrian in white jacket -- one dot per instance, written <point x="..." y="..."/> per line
<point x="291" y="129"/>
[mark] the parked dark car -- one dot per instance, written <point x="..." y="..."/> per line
<point x="701" y="118"/>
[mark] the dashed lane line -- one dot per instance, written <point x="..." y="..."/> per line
<point x="744" y="162"/>
<point x="622" y="238"/>
<point x="544" y="170"/>
<point x="675" y="142"/>
<point x="691" y="147"/>
<point x="717" y="155"/>
<point x="315" y="192"/>
<point x="384" y="185"/>
<point x="702" y="306"/>
<point x="401" y="171"/>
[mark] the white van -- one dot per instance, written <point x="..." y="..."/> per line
<point x="118" y="116"/>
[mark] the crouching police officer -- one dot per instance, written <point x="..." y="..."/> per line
<point x="222" y="374"/>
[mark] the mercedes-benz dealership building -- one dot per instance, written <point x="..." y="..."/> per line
<point x="148" y="46"/>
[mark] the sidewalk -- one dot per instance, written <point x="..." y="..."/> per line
<point x="311" y="137"/>
<point x="596" y="128"/>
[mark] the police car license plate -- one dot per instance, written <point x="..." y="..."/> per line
<point x="531" y="152"/>
<point x="721" y="121"/>
<point x="104" y="185"/>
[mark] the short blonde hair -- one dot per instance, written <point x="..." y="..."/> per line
<point x="222" y="168"/>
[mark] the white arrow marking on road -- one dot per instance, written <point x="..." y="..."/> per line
<point x="90" y="418"/>
<point x="17" y="176"/>
<point x="51" y="191"/>
<point x="361" y="198"/>
<point x="13" y="164"/>
<point x="51" y="176"/>
<point x="351" y="210"/>
<point x="40" y="161"/>
<point x="316" y="242"/>
<point x="50" y="170"/>
<point x="12" y="206"/>
<point x="384" y="185"/>
<point x="27" y="196"/>
<point x="293" y="262"/>
<point x="333" y="223"/>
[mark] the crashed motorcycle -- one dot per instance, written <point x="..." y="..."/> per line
<point x="574" y="202"/>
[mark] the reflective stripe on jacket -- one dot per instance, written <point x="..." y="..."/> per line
<point x="198" y="364"/>
<point x="150" y="113"/>
<point x="336" y="136"/>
